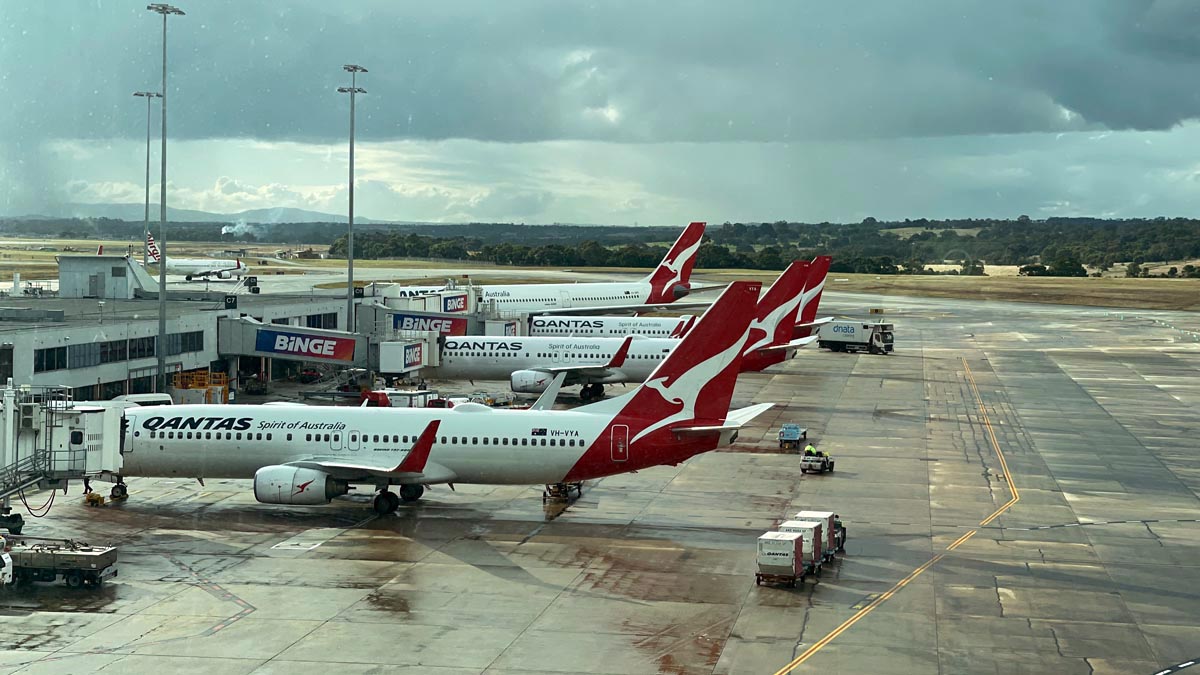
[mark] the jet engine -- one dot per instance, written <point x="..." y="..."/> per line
<point x="295" y="485"/>
<point x="530" y="381"/>
<point x="224" y="275"/>
<point x="680" y="290"/>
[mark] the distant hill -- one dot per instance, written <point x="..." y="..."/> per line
<point x="135" y="212"/>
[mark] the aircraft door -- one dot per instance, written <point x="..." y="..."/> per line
<point x="564" y="299"/>
<point x="619" y="442"/>
<point x="355" y="440"/>
<point x="335" y="441"/>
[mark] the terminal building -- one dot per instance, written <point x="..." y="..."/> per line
<point x="99" y="337"/>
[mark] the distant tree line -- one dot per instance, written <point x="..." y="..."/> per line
<point x="1051" y="247"/>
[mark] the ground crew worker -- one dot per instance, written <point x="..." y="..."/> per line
<point x="810" y="450"/>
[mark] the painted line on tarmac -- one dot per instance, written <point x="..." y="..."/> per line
<point x="870" y="607"/>
<point x="1178" y="667"/>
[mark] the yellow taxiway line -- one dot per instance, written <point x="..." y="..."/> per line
<point x="1016" y="497"/>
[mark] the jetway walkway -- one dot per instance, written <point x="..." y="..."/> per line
<point x="47" y="439"/>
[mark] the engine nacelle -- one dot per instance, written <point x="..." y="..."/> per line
<point x="224" y="275"/>
<point x="295" y="485"/>
<point x="530" y="381"/>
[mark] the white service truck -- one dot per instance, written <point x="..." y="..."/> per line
<point x="856" y="336"/>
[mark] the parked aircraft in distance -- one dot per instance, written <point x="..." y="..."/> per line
<point x="309" y="455"/>
<point x="530" y="362"/>
<point x="197" y="267"/>
<point x="668" y="282"/>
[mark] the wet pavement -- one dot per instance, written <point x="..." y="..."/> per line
<point x="1094" y="569"/>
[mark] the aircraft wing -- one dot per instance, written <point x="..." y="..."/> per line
<point x="734" y="421"/>
<point x="415" y="462"/>
<point x="794" y="344"/>
<point x="594" y="370"/>
<point x="546" y="400"/>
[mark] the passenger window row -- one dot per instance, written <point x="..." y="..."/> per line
<point x="210" y="436"/>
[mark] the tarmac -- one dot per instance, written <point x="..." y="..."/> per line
<point x="1019" y="483"/>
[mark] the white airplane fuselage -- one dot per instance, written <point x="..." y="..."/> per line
<point x="496" y="358"/>
<point x="608" y="326"/>
<point x="475" y="444"/>
<point x="195" y="267"/>
<point x="517" y="298"/>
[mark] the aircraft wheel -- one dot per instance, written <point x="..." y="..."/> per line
<point x="411" y="493"/>
<point x="119" y="491"/>
<point x="385" y="502"/>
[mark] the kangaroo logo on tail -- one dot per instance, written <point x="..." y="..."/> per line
<point x="696" y="380"/>
<point x="811" y="299"/>
<point x="671" y="280"/>
<point x="778" y="307"/>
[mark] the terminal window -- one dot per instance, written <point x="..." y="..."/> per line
<point x="51" y="358"/>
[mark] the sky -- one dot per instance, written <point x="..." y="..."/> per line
<point x="655" y="113"/>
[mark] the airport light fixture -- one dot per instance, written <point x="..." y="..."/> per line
<point x="148" y="95"/>
<point x="161" y="348"/>
<point x="353" y="89"/>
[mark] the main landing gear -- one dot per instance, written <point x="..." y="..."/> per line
<point x="387" y="501"/>
<point x="561" y="492"/>
<point x="591" y="392"/>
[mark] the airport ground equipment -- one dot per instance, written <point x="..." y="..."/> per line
<point x="47" y="439"/>
<point x="812" y="532"/>
<point x="791" y="436"/>
<point x="76" y="563"/>
<point x="857" y="336"/>
<point x="831" y="526"/>
<point x="816" y="463"/>
<point x="780" y="559"/>
<point x="561" y="492"/>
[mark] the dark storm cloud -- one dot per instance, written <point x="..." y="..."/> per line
<point x="625" y="72"/>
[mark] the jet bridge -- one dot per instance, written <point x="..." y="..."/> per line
<point x="47" y="439"/>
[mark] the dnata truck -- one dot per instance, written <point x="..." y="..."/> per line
<point x="856" y="336"/>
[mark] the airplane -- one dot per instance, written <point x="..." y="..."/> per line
<point x="666" y="284"/>
<point x="653" y="326"/>
<point x="197" y="267"/>
<point x="812" y="299"/>
<point x="530" y="363"/>
<point x="308" y="455"/>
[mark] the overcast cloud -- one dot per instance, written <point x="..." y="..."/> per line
<point x="616" y="112"/>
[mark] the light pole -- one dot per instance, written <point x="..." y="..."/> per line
<point x="148" y="95"/>
<point x="352" y="90"/>
<point x="161" y="348"/>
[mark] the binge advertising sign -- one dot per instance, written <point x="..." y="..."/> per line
<point x="437" y="324"/>
<point x="300" y="345"/>
<point x="412" y="355"/>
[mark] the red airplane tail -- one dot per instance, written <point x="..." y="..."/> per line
<point x="778" y="308"/>
<point x="682" y="408"/>
<point x="671" y="279"/>
<point x="812" y="296"/>
<point x="695" y="382"/>
<point x="100" y="249"/>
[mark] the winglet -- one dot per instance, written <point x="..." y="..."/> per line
<point x="550" y="393"/>
<point x="414" y="461"/>
<point x="618" y="359"/>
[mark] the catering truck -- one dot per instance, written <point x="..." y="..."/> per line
<point x="856" y="336"/>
